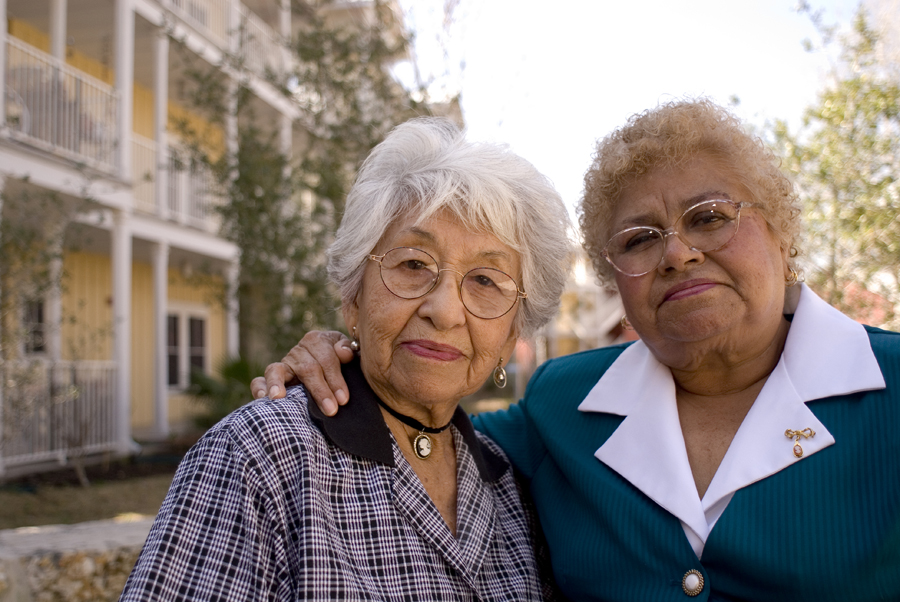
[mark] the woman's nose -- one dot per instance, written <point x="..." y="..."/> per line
<point x="443" y="305"/>
<point x="677" y="253"/>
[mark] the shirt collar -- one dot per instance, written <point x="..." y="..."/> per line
<point x="359" y="428"/>
<point x="825" y="354"/>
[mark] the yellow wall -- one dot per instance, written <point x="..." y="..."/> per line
<point x="143" y="112"/>
<point x="143" y="363"/>
<point x="87" y="307"/>
<point x="29" y="35"/>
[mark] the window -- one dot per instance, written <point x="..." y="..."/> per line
<point x="172" y="351"/>
<point x="197" y="349"/>
<point x="186" y="347"/>
<point x="35" y="327"/>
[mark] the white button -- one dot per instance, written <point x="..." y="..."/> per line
<point x="692" y="582"/>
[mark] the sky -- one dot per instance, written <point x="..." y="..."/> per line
<point x="551" y="78"/>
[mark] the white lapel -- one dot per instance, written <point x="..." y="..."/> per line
<point x="825" y="354"/>
<point x="647" y="449"/>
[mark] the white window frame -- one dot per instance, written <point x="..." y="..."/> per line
<point x="184" y="313"/>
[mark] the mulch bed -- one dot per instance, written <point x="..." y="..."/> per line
<point x="160" y="459"/>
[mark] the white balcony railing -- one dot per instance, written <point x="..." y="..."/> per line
<point x="56" y="411"/>
<point x="206" y="16"/>
<point x="191" y="192"/>
<point x="261" y="48"/>
<point x="59" y="109"/>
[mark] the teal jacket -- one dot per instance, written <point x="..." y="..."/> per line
<point x="826" y="528"/>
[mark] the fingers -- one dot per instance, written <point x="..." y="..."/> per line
<point x="336" y="380"/>
<point x="277" y="376"/>
<point x="343" y="350"/>
<point x="258" y="387"/>
<point x="317" y="362"/>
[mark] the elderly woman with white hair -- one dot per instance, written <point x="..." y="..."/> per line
<point x="448" y="251"/>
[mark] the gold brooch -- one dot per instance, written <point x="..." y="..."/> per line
<point x="795" y="435"/>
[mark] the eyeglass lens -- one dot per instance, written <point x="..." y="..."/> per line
<point x="707" y="226"/>
<point x="412" y="273"/>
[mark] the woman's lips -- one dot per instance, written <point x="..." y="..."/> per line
<point x="688" y="289"/>
<point x="432" y="350"/>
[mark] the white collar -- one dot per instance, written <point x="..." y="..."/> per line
<point x="825" y="354"/>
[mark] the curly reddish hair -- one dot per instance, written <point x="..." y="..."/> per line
<point x="668" y="136"/>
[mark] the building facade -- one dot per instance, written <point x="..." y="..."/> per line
<point x="140" y="283"/>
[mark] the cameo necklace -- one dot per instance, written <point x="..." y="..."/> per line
<point x="422" y="443"/>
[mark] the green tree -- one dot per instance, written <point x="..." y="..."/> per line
<point x="281" y="211"/>
<point x="846" y="161"/>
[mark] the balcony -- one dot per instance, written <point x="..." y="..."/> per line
<point x="191" y="194"/>
<point x="58" y="109"/>
<point x="54" y="412"/>
<point x="261" y="49"/>
<point x="206" y="16"/>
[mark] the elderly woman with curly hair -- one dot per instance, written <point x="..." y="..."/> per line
<point x="746" y="448"/>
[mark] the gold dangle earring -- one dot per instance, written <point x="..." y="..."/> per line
<point x="793" y="278"/>
<point x="626" y="325"/>
<point x="500" y="375"/>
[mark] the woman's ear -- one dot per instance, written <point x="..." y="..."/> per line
<point x="506" y="352"/>
<point x="350" y="311"/>
<point x="786" y="259"/>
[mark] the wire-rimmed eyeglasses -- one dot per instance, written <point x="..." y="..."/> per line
<point x="704" y="227"/>
<point x="410" y="273"/>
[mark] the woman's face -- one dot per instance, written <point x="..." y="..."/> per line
<point x="431" y="351"/>
<point x="731" y="299"/>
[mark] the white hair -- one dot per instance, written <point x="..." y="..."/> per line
<point x="425" y="166"/>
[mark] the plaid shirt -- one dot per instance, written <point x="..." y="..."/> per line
<point x="279" y="502"/>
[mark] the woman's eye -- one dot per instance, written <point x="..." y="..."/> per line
<point x="641" y="241"/>
<point x="707" y="219"/>
<point x="413" y="264"/>
<point x="483" y="280"/>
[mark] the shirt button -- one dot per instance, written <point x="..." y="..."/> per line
<point x="692" y="582"/>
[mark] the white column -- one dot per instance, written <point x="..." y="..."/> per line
<point x="53" y="301"/>
<point x="231" y="129"/>
<point x="124" y="59"/>
<point x="121" y="287"/>
<point x="284" y="26"/>
<point x="3" y="28"/>
<point x="160" y="263"/>
<point x="231" y="120"/>
<point x="2" y="185"/>
<point x="233" y="308"/>
<point x="286" y="135"/>
<point x="160" y="120"/>
<point x="58" y="9"/>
